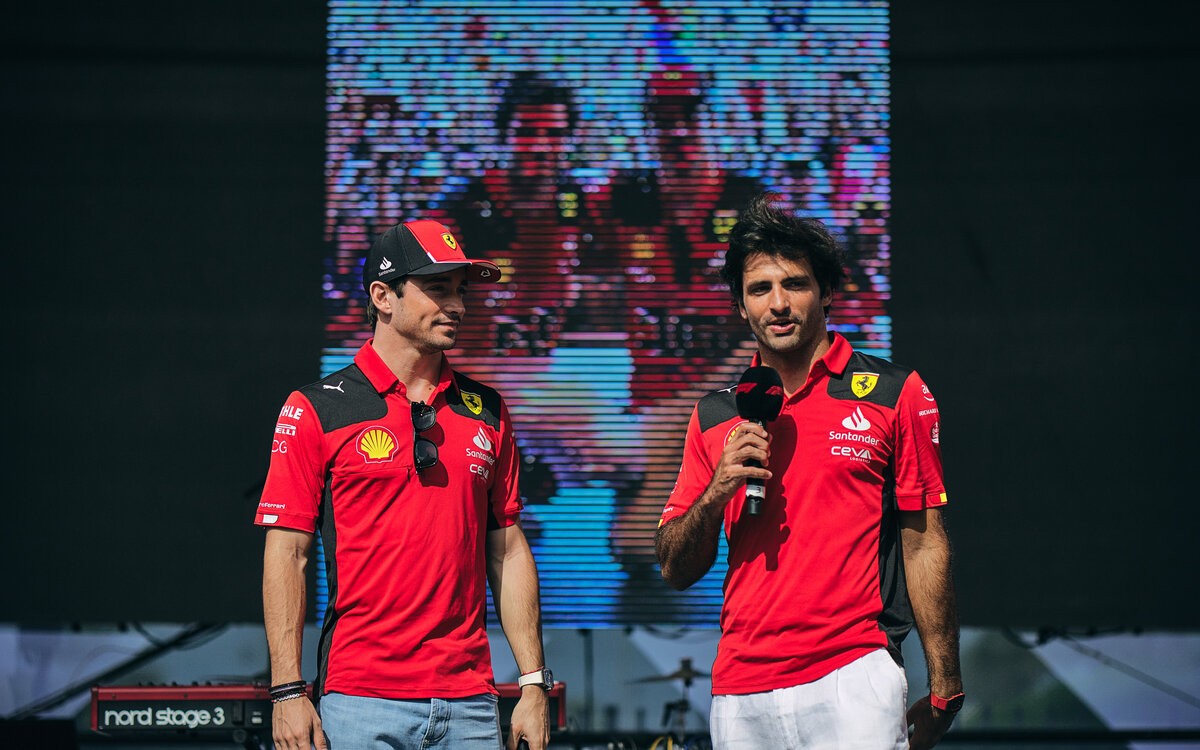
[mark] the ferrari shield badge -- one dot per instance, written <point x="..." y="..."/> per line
<point x="862" y="383"/>
<point x="473" y="402"/>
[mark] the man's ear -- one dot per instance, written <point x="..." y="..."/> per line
<point x="380" y="296"/>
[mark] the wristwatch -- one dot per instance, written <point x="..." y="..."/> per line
<point x="543" y="678"/>
<point x="951" y="705"/>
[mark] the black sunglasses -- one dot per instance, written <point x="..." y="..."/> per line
<point x="425" y="452"/>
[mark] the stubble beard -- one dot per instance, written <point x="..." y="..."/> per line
<point x="442" y="343"/>
<point x="802" y="340"/>
<point x="434" y="342"/>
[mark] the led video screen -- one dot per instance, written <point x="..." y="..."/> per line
<point x="599" y="152"/>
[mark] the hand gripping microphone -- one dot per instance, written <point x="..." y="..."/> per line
<point x="759" y="400"/>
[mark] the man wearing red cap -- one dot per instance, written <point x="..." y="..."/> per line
<point x="409" y="469"/>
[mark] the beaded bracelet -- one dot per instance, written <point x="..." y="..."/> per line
<point x="288" y="697"/>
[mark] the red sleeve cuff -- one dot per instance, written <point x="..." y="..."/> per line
<point x="286" y="521"/>
<point x="921" y="502"/>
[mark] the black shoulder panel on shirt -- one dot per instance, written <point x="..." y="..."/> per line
<point x="715" y="408"/>
<point x="474" y="400"/>
<point x="345" y="398"/>
<point x="887" y="382"/>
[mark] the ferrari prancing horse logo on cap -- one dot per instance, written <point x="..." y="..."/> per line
<point x="449" y="240"/>
<point x="862" y="383"/>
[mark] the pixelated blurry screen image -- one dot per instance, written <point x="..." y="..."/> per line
<point x="599" y="152"/>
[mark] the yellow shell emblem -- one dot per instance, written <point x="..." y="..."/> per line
<point x="377" y="444"/>
<point x="473" y="402"/>
<point x="862" y="383"/>
<point x="449" y="240"/>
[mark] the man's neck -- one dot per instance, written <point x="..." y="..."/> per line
<point x="793" y="367"/>
<point x="418" y="371"/>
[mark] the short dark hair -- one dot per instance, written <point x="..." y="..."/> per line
<point x="764" y="227"/>
<point x="396" y="286"/>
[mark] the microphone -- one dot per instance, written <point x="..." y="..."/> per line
<point x="759" y="400"/>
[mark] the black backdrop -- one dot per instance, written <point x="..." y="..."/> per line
<point x="162" y="242"/>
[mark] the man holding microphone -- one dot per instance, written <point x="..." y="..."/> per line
<point x="848" y="549"/>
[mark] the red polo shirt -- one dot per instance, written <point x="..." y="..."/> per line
<point x="404" y="549"/>
<point x="811" y="587"/>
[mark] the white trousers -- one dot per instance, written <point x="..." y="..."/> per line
<point x="861" y="705"/>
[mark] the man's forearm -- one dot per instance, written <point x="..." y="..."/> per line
<point x="512" y="574"/>
<point x="513" y="577"/>
<point x="687" y="546"/>
<point x="927" y="568"/>
<point x="284" y="589"/>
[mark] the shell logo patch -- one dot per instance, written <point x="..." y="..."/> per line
<point x="449" y="240"/>
<point x="473" y="402"/>
<point x="862" y="383"/>
<point x="377" y="445"/>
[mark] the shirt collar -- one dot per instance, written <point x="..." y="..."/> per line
<point x="383" y="380"/>
<point x="835" y="360"/>
<point x="832" y="362"/>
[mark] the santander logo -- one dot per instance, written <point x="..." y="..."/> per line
<point x="856" y="421"/>
<point x="482" y="441"/>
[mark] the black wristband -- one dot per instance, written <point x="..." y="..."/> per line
<point x="288" y="687"/>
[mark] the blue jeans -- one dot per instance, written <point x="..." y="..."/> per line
<point x="353" y="723"/>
